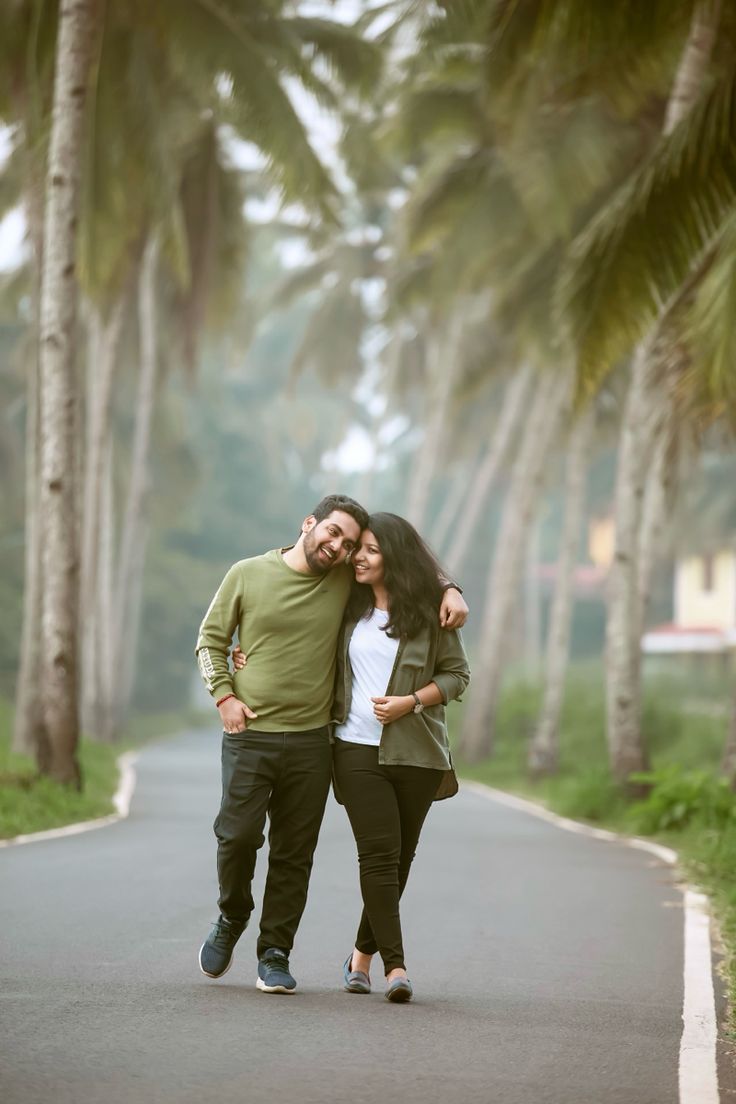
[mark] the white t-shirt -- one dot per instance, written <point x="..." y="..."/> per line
<point x="372" y="655"/>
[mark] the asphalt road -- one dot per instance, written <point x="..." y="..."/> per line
<point x="547" y="966"/>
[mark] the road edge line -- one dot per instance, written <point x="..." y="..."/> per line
<point x="699" y="1041"/>
<point x="121" y="800"/>
<point x="698" y="1063"/>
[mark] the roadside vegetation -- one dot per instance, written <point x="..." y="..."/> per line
<point x="30" y="802"/>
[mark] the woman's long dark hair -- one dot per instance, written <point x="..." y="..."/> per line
<point x="411" y="577"/>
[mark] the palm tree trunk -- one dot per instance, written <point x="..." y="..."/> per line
<point x="623" y="623"/>
<point x="455" y="499"/>
<point x="532" y="605"/>
<point x="627" y="753"/>
<point x="443" y="369"/>
<point x="516" y="395"/>
<point x="103" y="350"/>
<point x="544" y="747"/>
<point x="103" y="346"/>
<point x="388" y="386"/>
<point x="29" y="734"/>
<point x="134" y="517"/>
<point x="658" y="501"/>
<point x="106" y="683"/>
<point x="58" y="392"/>
<point x="125" y="675"/>
<point x="552" y="397"/>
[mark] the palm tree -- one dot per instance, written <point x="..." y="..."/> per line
<point x="58" y="303"/>
<point x="624" y="622"/>
<point x="645" y="248"/>
<point x="24" y="104"/>
<point x="530" y="464"/>
<point x="223" y="58"/>
<point x="544" y="747"/>
<point x="497" y="226"/>
<point x="516" y="397"/>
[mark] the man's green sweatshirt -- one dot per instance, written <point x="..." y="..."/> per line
<point x="288" y="624"/>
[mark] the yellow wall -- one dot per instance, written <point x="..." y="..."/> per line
<point x="601" y="538"/>
<point x="696" y="607"/>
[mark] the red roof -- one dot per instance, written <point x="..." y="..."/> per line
<point x="671" y="628"/>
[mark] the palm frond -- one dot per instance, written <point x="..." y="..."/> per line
<point x="354" y="60"/>
<point x="367" y="157"/>
<point x="625" y="49"/>
<point x="638" y="251"/>
<point x="13" y="177"/>
<point x="437" y="204"/>
<point x="330" y="345"/>
<point x="216" y="241"/>
<point x="436" y="111"/>
<point x="301" y="282"/>
<point x="217" y="39"/>
<point x="708" y="327"/>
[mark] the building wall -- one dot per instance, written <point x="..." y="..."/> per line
<point x="705" y="591"/>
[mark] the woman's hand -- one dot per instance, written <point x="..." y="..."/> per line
<point x="239" y="658"/>
<point x="390" y="709"/>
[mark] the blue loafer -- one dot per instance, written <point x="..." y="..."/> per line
<point x="399" y="991"/>
<point x="355" y="980"/>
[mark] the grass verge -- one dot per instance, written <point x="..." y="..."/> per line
<point x="29" y="803"/>
<point x="689" y="808"/>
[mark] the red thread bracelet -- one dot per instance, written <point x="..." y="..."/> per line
<point x="219" y="703"/>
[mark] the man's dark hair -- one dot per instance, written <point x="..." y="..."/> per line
<point x="349" y="506"/>
<point x="411" y="574"/>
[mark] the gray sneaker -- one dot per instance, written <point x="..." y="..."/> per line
<point x="216" y="953"/>
<point x="273" y="972"/>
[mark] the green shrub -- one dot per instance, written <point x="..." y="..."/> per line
<point x="590" y="795"/>
<point x="680" y="797"/>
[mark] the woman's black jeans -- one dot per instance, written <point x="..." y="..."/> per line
<point x="285" y="775"/>
<point x="386" y="806"/>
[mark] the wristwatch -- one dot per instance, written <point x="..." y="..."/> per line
<point x="418" y="705"/>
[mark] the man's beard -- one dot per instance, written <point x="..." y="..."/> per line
<point x="311" y="555"/>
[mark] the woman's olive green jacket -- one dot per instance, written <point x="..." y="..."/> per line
<point x="417" y="739"/>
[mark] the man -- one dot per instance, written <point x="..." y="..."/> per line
<point x="287" y="606"/>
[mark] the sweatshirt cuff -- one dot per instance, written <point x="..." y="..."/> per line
<point x="221" y="690"/>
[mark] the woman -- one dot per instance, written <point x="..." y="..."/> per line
<point x="396" y="670"/>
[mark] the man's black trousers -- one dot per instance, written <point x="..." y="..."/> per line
<point x="285" y="775"/>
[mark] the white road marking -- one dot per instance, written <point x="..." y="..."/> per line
<point x="698" y="1073"/>
<point x="121" y="801"/>
<point x="698" y="1068"/>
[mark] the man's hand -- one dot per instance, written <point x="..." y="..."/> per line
<point x="235" y="715"/>
<point x="390" y="709"/>
<point x="239" y="658"/>
<point x="454" y="609"/>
